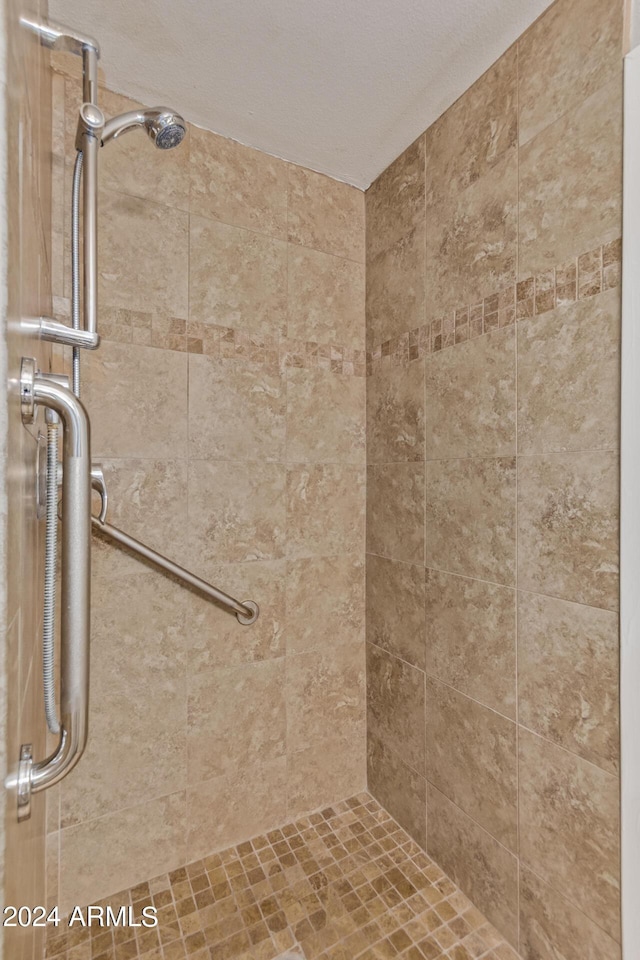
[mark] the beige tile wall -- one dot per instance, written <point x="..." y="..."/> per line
<point x="493" y="337"/>
<point x="25" y="280"/>
<point x="228" y="407"/>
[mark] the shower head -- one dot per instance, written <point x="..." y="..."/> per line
<point x="164" y="126"/>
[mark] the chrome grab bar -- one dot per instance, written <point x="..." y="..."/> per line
<point x="31" y="777"/>
<point x="246" y="611"/>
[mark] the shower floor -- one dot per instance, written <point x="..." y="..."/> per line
<point x="343" y="883"/>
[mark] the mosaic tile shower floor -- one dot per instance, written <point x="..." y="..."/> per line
<point x="341" y="884"/>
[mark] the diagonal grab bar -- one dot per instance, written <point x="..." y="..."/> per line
<point x="247" y="612"/>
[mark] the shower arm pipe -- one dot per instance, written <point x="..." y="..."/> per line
<point x="246" y="611"/>
<point x="51" y="392"/>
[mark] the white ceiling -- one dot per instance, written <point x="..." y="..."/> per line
<point x="341" y="86"/>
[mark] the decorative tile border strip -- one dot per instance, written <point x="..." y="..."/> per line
<point x="578" y="279"/>
<point x="225" y="343"/>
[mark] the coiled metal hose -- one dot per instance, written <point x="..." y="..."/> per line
<point x="51" y="535"/>
<point x="50" y="559"/>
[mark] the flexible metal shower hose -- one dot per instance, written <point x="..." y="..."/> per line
<point x="51" y="535"/>
<point x="50" y="551"/>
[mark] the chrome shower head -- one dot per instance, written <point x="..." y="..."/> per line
<point x="164" y="126"/>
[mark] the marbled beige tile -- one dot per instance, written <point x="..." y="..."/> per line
<point x="237" y="513"/>
<point x="52" y="879"/>
<point x="396" y="706"/>
<point x="395" y="511"/>
<point x="229" y="809"/>
<point x="145" y="500"/>
<point x="400" y="789"/>
<point x="137" y="400"/>
<point x="571" y="184"/>
<point x="215" y="638"/>
<point x="138" y="697"/>
<point x="472" y="239"/>
<point x="325" y="214"/>
<point x="570" y="52"/>
<point x="325" y="695"/>
<point x="472" y="759"/>
<point x="237" y="278"/>
<point x="325" y="417"/>
<point x="396" y="288"/>
<point x="396" y="413"/>
<point x="568" y="508"/>
<point x="131" y="164"/>
<point x="237" y="411"/>
<point x="326" y="298"/>
<point x="569" y="377"/>
<point x="552" y="927"/>
<point x="471" y="517"/>
<point x="395" y="201"/>
<point x="237" y="185"/>
<point x="325" y="773"/>
<point x="396" y="608"/>
<point x="471" y="398"/>
<point x="325" y="509"/>
<point x="144" y="255"/>
<point x="475" y="132"/>
<point x="325" y="602"/>
<point x="235" y="717"/>
<point x="569" y="825"/>
<point x="568" y="676"/>
<point x="103" y="856"/>
<point x="471" y="638"/>
<point x="478" y="864"/>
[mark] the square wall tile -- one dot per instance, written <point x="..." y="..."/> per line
<point x="237" y="278"/>
<point x="471" y="638"/>
<point x="237" y="185"/>
<point x="326" y="298"/>
<point x="568" y="527"/>
<point x="325" y="696"/>
<point x="401" y="790"/>
<point x="236" y="410"/>
<point x="549" y="923"/>
<point x="481" y="866"/>
<point x="471" y="518"/>
<point x="235" y="717"/>
<point x="325" y="509"/>
<point x="325" y="214"/>
<point x="475" y="132"/>
<point x="396" y="608"/>
<point x="395" y="706"/>
<point x="570" y="52"/>
<point x="396" y="413"/>
<point x="568" y="666"/>
<point x="569" y="828"/>
<point x="570" y="198"/>
<point x="569" y="377"/>
<point x="396" y="288"/>
<point x="472" y="239"/>
<point x="325" y="603"/>
<point x="395" y="201"/>
<point x="137" y="400"/>
<point x="471" y="758"/>
<point x="395" y="511"/>
<point x="237" y="513"/>
<point x="325" y="417"/>
<point x="471" y="398"/>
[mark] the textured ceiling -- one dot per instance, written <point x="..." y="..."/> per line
<point x="341" y="86"/>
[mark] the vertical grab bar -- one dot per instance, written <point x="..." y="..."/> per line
<point x="32" y="777"/>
